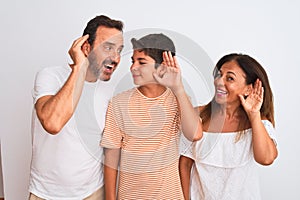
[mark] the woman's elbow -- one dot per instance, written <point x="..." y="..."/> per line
<point x="267" y="161"/>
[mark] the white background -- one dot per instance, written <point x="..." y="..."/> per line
<point x="37" y="34"/>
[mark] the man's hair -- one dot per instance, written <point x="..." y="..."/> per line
<point x="154" y="45"/>
<point x="101" y="20"/>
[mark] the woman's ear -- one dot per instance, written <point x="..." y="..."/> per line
<point x="86" y="48"/>
<point x="249" y="89"/>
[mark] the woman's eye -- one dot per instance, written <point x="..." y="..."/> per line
<point x="230" y="78"/>
<point x="217" y="75"/>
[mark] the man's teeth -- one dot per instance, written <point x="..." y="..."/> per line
<point x="108" y="67"/>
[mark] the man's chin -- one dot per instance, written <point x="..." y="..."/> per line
<point x="105" y="78"/>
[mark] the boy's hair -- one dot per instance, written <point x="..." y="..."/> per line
<point x="154" y="45"/>
<point x="101" y="20"/>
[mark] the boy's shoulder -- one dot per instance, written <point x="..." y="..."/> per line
<point x="124" y="95"/>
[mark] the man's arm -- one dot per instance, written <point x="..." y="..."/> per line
<point x="111" y="163"/>
<point x="54" y="111"/>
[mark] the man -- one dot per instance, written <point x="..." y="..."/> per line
<point x="143" y="125"/>
<point x="69" y="113"/>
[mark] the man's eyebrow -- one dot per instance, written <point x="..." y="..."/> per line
<point x="109" y="43"/>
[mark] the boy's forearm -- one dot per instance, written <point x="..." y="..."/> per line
<point x="111" y="164"/>
<point x="110" y="182"/>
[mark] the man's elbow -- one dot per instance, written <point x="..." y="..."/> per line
<point x="52" y="128"/>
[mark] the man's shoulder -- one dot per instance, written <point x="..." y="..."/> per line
<point x="59" y="72"/>
<point x="55" y="69"/>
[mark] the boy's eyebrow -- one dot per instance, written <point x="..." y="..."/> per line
<point x="138" y="58"/>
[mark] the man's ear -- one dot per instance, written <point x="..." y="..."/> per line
<point x="86" y="48"/>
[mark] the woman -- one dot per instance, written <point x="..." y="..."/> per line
<point x="238" y="127"/>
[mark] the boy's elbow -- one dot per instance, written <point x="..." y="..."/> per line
<point x="197" y="137"/>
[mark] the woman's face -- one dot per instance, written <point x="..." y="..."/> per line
<point x="230" y="82"/>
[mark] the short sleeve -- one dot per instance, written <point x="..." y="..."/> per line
<point x="46" y="83"/>
<point x="186" y="147"/>
<point x="270" y="129"/>
<point x="112" y="135"/>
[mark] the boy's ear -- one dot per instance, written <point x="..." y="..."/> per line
<point x="86" y="48"/>
<point x="161" y="70"/>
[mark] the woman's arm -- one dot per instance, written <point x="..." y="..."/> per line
<point x="264" y="148"/>
<point x="185" y="166"/>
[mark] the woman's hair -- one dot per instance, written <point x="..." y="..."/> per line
<point x="253" y="71"/>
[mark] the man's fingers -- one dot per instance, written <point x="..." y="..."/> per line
<point x="80" y="41"/>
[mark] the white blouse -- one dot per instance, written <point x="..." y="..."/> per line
<point x="224" y="168"/>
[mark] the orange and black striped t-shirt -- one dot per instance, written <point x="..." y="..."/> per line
<point x="147" y="132"/>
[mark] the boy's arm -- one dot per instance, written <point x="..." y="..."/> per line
<point x="185" y="166"/>
<point x="111" y="163"/>
<point x="169" y="75"/>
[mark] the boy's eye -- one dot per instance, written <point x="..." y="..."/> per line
<point x="108" y="48"/>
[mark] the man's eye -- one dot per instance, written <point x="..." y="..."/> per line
<point x="119" y="51"/>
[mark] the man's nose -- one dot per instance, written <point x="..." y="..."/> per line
<point x="114" y="55"/>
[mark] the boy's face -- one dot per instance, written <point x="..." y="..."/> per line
<point x="142" y="68"/>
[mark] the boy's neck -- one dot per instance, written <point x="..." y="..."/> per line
<point x="152" y="90"/>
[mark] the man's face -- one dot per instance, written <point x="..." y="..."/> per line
<point x="104" y="55"/>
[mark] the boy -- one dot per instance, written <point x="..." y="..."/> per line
<point x="142" y="127"/>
